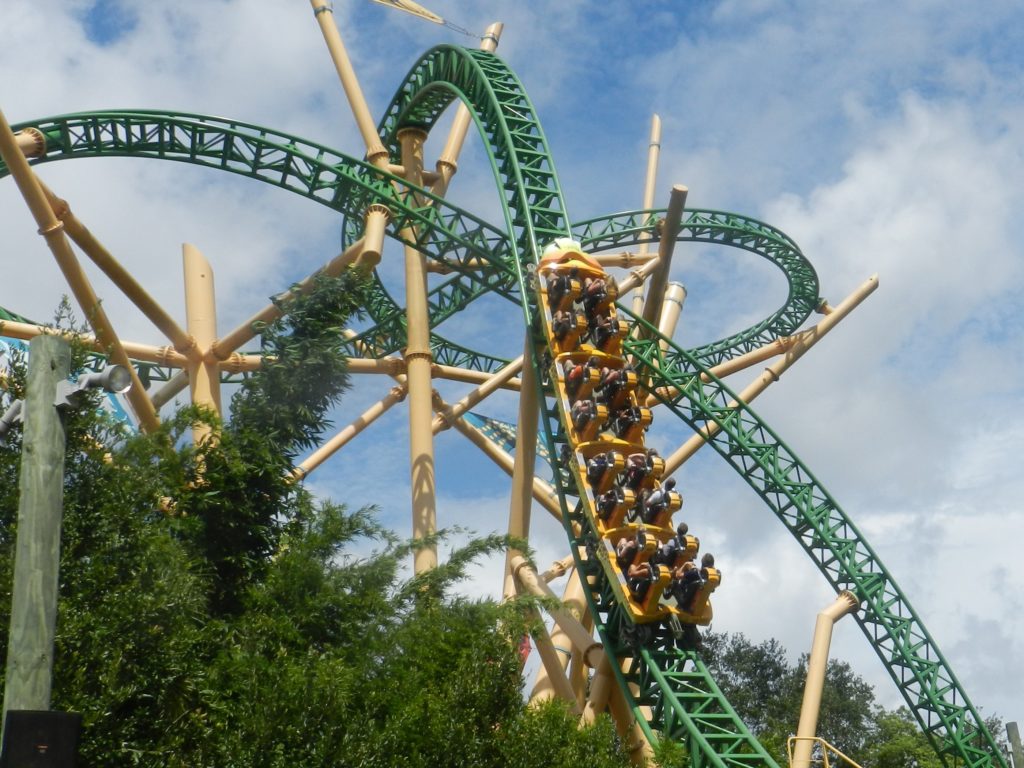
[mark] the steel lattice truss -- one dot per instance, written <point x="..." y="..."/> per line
<point x="672" y="691"/>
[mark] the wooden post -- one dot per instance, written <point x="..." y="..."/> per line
<point x="1015" y="748"/>
<point x="37" y="552"/>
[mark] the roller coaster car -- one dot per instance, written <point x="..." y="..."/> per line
<point x="566" y="332"/>
<point x="602" y="469"/>
<point x="643" y="478"/>
<point x="618" y="582"/>
<point x="615" y="387"/>
<point x="630" y="423"/>
<point x="699" y="611"/>
<point x="686" y="552"/>
<point x="577" y="375"/>
<point x="662" y="516"/>
<point x="609" y="341"/>
<point x="655" y="507"/>
<point x="603" y="300"/>
<point x="650" y="604"/>
<point x="611" y="507"/>
<point x="593" y="425"/>
<point x="646" y="543"/>
<point x="561" y="290"/>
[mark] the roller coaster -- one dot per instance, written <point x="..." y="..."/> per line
<point x="596" y="371"/>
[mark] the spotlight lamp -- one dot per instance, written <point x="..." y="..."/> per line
<point x="115" y="379"/>
<point x="11" y="415"/>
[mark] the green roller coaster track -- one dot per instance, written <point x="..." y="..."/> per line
<point x="672" y="686"/>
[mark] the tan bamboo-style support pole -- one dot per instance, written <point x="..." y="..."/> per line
<point x="637" y="276"/>
<point x="666" y="247"/>
<point x="246" y="332"/>
<point x="447" y="164"/>
<point x="429" y="177"/>
<point x="624" y="259"/>
<point x="600" y="691"/>
<point x="375" y="151"/>
<point x="52" y="230"/>
<point x="592" y="650"/>
<point x="177" y="383"/>
<point x="741" y="363"/>
<point x="201" y="311"/>
<point x="579" y="673"/>
<point x="332" y="446"/>
<point x="418" y="359"/>
<point x="145" y="352"/>
<point x="817" y="664"/>
<point x="558" y="569"/>
<point x="494" y="382"/>
<point x="524" y="466"/>
<point x="551" y="678"/>
<point x="653" y="151"/>
<point x="389" y="366"/>
<point x="671" y="308"/>
<point x="377" y="217"/>
<point x="472" y="377"/>
<point x="129" y="286"/>
<point x="576" y="603"/>
<point x="629" y="730"/>
<point x="773" y="372"/>
<point x="549" y="659"/>
<point x="543" y="492"/>
<point x="31" y="142"/>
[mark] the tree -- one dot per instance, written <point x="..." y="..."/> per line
<point x="896" y="742"/>
<point x="767" y="692"/>
<point x="214" y="613"/>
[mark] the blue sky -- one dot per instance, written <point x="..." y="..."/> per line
<point x="882" y="137"/>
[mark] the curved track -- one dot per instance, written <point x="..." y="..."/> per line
<point x="672" y="692"/>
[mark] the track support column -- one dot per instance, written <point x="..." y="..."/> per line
<point x="653" y="151"/>
<point x="418" y="360"/>
<point x="575" y="602"/>
<point x="525" y="464"/>
<point x="201" y="311"/>
<point x="667" y="246"/>
<point x="816" y="665"/>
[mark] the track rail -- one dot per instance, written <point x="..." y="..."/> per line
<point x="675" y="696"/>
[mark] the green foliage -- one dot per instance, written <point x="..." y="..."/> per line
<point x="767" y="692"/>
<point x="213" y="613"/>
<point x="897" y="742"/>
<point x="549" y="735"/>
<point x="239" y="507"/>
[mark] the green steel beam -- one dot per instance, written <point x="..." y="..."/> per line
<point x="733" y="230"/>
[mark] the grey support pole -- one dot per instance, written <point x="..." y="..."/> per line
<point x="37" y="556"/>
<point x="1015" y="747"/>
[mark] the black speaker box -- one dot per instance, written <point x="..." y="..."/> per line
<point x="40" y="739"/>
